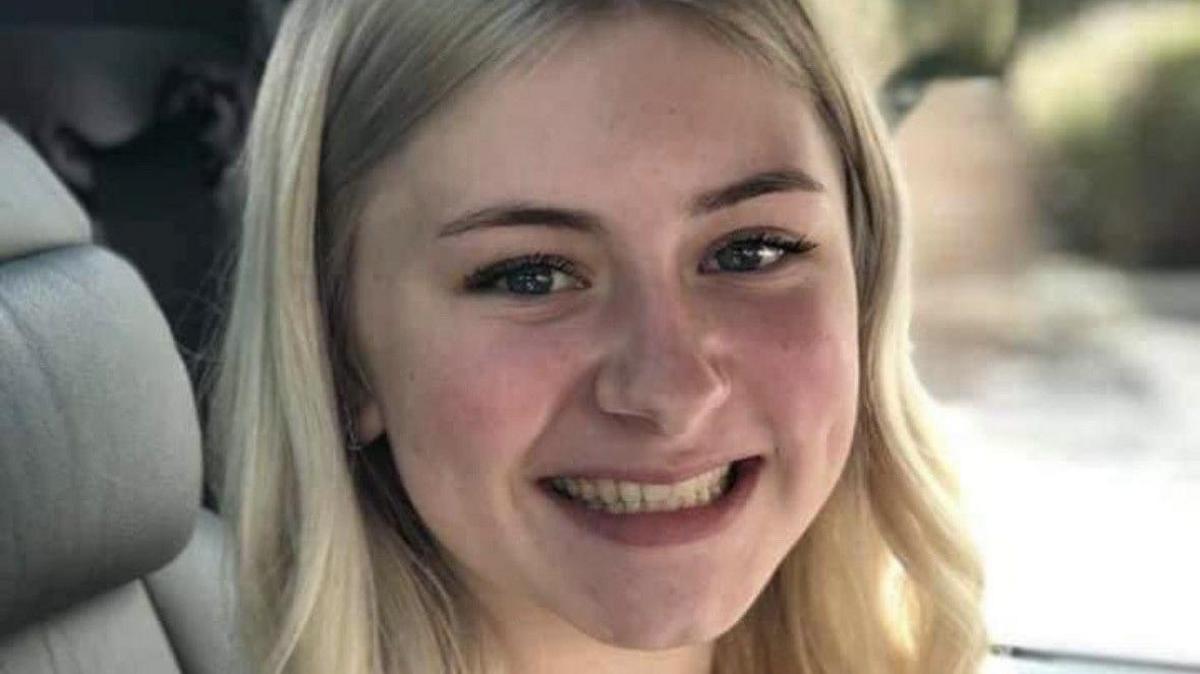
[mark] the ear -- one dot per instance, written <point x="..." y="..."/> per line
<point x="368" y="421"/>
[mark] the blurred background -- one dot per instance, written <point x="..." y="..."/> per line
<point x="1051" y="155"/>
<point x="1052" y="150"/>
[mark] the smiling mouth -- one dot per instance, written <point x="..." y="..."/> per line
<point x="623" y="497"/>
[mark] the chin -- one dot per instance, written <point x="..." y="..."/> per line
<point x="653" y="609"/>
<point x="659" y="637"/>
<point x="656" y="631"/>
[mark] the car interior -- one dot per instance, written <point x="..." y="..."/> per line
<point x="108" y="563"/>
<point x="119" y="123"/>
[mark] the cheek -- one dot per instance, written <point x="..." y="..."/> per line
<point x="475" y="398"/>
<point x="462" y="409"/>
<point x="800" y="367"/>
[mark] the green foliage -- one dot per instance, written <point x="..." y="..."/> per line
<point x="1039" y="15"/>
<point x="1134" y="198"/>
<point x="1114" y="101"/>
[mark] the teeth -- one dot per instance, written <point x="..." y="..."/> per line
<point x="656" y="493"/>
<point x="606" y="490"/>
<point x="622" y="496"/>
<point x="631" y="493"/>
<point x="588" y="491"/>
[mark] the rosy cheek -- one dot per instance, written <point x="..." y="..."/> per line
<point x="483" y="397"/>
<point x="800" y="364"/>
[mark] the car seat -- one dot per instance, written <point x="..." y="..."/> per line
<point x="108" y="563"/>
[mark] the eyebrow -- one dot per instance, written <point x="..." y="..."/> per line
<point x="520" y="213"/>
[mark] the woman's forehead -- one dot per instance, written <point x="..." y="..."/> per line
<point x="615" y="107"/>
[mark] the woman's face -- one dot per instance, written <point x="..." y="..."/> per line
<point x="626" y="261"/>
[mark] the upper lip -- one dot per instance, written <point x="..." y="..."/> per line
<point x="650" y="475"/>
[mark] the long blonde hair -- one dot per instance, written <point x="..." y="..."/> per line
<point x="336" y="573"/>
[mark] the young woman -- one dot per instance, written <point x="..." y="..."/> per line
<point x="572" y="336"/>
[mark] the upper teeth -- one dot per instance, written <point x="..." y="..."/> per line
<point x="621" y="496"/>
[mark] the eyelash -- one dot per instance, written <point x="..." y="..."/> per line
<point x="484" y="279"/>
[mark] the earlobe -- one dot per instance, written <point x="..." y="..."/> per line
<point x="368" y="422"/>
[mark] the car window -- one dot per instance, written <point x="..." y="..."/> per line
<point x="1058" y="325"/>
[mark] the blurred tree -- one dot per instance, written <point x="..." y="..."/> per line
<point x="1113" y="101"/>
<point x="1167" y="117"/>
<point x="1038" y="15"/>
<point x="1140" y="200"/>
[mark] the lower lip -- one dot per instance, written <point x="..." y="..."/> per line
<point x="676" y="527"/>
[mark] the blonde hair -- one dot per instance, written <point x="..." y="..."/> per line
<point x="336" y="571"/>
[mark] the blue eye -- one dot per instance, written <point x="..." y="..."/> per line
<point x="541" y="274"/>
<point x="756" y="253"/>
<point x="528" y="275"/>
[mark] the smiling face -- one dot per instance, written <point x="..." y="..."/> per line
<point x="689" y="304"/>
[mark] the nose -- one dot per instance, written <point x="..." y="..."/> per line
<point x="663" y="370"/>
